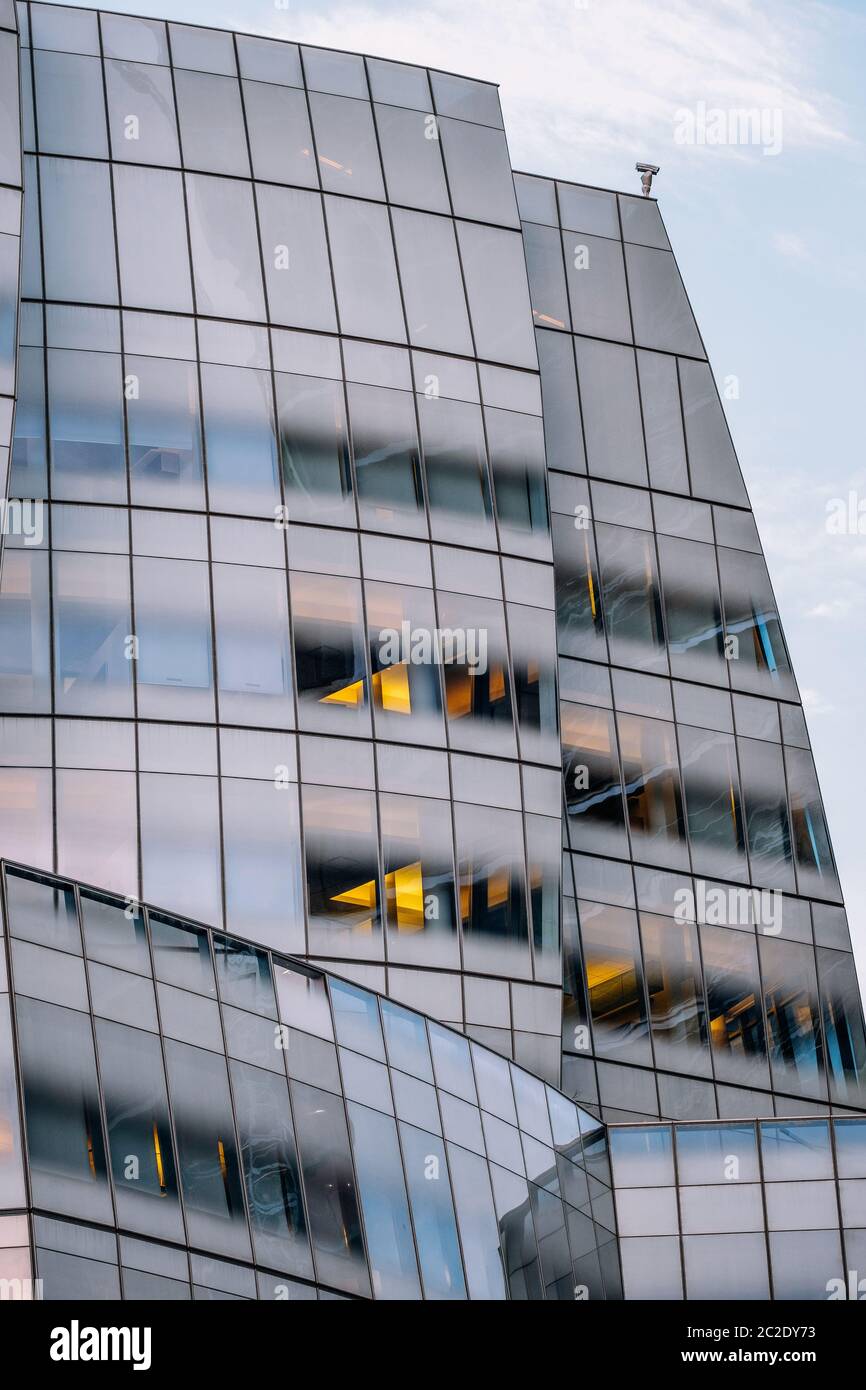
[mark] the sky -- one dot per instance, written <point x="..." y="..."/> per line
<point x="768" y="232"/>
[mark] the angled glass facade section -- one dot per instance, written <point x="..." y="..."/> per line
<point x="699" y="874"/>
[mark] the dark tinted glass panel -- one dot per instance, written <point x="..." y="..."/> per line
<point x="387" y="461"/>
<point x="209" y="1168"/>
<point x="270" y="1162"/>
<point x="314" y="449"/>
<point x="332" y="1203"/>
<point x="139" y="1135"/>
<point x="61" y="1104"/>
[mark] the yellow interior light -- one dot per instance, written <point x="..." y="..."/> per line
<point x="391" y="687"/>
<point x="404" y="890"/>
<point x="346" y="695"/>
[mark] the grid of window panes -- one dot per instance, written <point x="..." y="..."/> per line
<point x="773" y="1210"/>
<point x="278" y="383"/>
<point x="201" y="1112"/>
<point x="11" y="175"/>
<point x="715" y="966"/>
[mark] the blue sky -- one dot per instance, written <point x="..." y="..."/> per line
<point x="771" y="246"/>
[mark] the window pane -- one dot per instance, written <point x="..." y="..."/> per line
<point x="341" y="846"/>
<point x="614" y="978"/>
<point x="223" y="232"/>
<point x="660" y="308"/>
<point x="25" y="639"/>
<point x="516" y="444"/>
<point x="479" y="1228"/>
<point x="591" y="777"/>
<point x="693" y="610"/>
<point x="411" y="157"/>
<point x="332" y="1203"/>
<point x="165" y="448"/>
<point x="252" y="646"/>
<point x="407" y="699"/>
<point x="141" y="116"/>
<point x="314" y="449"/>
<point x="766" y="811"/>
<point x="843" y="1025"/>
<point x="793" y="1030"/>
<point x="496" y="286"/>
<point x="433" y="1212"/>
<point x="211" y="123"/>
<point x="368" y="295"/>
<point x="271" y="1170"/>
<point x="151" y="230"/>
<point x="86" y="425"/>
<point x="78" y="231"/>
<point x="533" y="658"/>
<point x="69" y="104"/>
<point x="596" y="286"/>
<point x="492" y="895"/>
<point x="139" y="1136"/>
<point x="676" y="995"/>
<point x="580" y="627"/>
<point x="93" y="674"/>
<point x="663" y="422"/>
<point x="61" y="1103"/>
<point x="479" y="172"/>
<point x="713" y="464"/>
<point x="240" y="441"/>
<point x="653" y="792"/>
<point x="419" y="880"/>
<point x="180" y="856"/>
<point x="28" y="476"/>
<point x="387" y="460"/>
<point x="264" y="897"/>
<point x="346" y="145"/>
<point x="478" y="688"/>
<point x="383" y="1199"/>
<point x="816" y="872"/>
<point x="546" y="277"/>
<point x="632" y="598"/>
<point x="172" y="618"/>
<point x="455" y="462"/>
<point x="329" y="654"/>
<point x="295" y="253"/>
<point x="431" y="281"/>
<point x="734" y="1000"/>
<point x="209" y="1167"/>
<point x="563" y="431"/>
<point x="611" y="411"/>
<point x="713" y="805"/>
<point x="280" y="139"/>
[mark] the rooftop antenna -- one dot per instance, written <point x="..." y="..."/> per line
<point x="646" y="172"/>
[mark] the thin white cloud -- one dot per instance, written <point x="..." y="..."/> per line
<point x="610" y="74"/>
<point x="790" y="245"/>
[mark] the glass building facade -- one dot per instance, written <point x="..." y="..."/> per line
<point x="200" y="1114"/>
<point x="380" y="591"/>
<point x="706" y="956"/>
<point x="285" y="658"/>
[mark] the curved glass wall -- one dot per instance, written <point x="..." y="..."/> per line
<point x="205" y="1118"/>
<point x="285" y="654"/>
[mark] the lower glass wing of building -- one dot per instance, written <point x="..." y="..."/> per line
<point x="184" y="1114"/>
<point x="773" y="1209"/>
